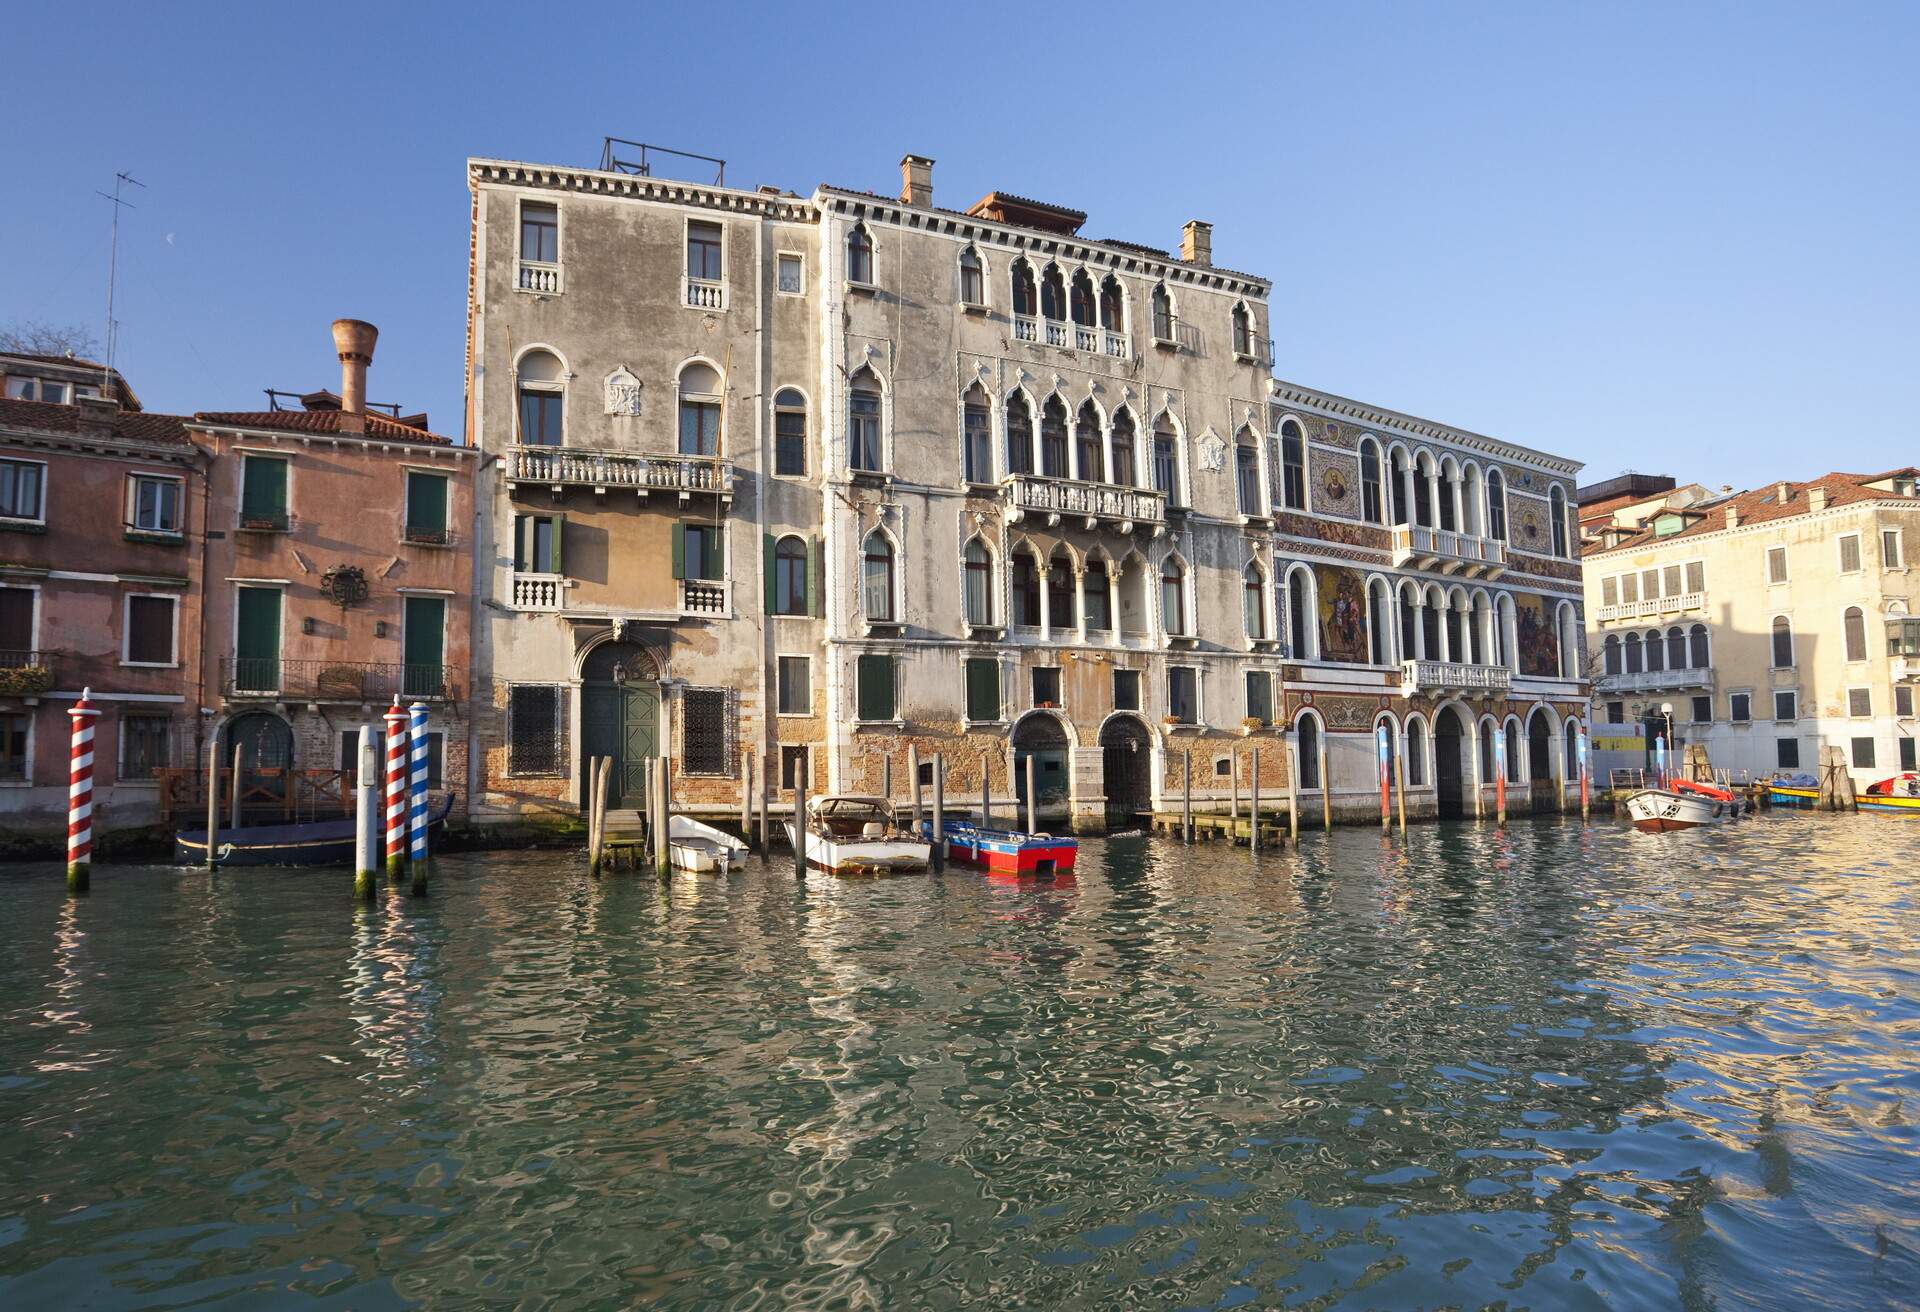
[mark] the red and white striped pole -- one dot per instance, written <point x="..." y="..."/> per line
<point x="396" y="720"/>
<point x="80" y="793"/>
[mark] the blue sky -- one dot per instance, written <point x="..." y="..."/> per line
<point x="1671" y="238"/>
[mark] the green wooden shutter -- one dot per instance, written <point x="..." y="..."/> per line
<point x="983" y="689"/>
<point x="523" y="542"/>
<point x="556" y="553"/>
<point x="875" y="687"/>
<point x="679" y="551"/>
<point x="426" y="502"/>
<point x="769" y="601"/>
<point x="263" y="491"/>
<point x="816" y="580"/>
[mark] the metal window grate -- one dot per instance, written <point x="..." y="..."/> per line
<point x="536" y="730"/>
<point x="707" y="732"/>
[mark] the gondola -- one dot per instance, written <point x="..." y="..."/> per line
<point x="311" y="843"/>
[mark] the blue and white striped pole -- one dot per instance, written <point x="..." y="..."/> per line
<point x="1660" y="760"/>
<point x="417" y="818"/>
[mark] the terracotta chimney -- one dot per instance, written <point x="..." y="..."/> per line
<point x="1196" y="242"/>
<point x="354" y="339"/>
<point x="916" y="180"/>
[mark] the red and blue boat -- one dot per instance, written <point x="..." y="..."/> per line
<point x="1006" y="851"/>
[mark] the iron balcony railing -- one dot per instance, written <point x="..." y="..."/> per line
<point x="561" y="466"/>
<point x="334" y="681"/>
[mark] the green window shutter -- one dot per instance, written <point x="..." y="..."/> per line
<point x="713" y="560"/>
<point x="876" y="687"/>
<point x="983" y="689"/>
<point x="426" y="625"/>
<point x="257" y="626"/>
<point x="556" y="556"/>
<point x="522" y="542"/>
<point x="769" y="598"/>
<point x="427" y="502"/>
<point x="263" y="492"/>
<point x="816" y="580"/>
<point x="679" y="551"/>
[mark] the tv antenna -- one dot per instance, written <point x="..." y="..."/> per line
<point x="120" y="180"/>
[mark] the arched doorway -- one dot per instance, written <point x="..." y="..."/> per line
<point x="1041" y="739"/>
<point x="1540" y="760"/>
<point x="1126" y="756"/>
<point x="619" y="717"/>
<point x="1449" y="764"/>
<point x="264" y="743"/>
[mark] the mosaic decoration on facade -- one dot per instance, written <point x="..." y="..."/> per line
<point x="1539" y="644"/>
<point x="1343" y="713"/>
<point x="1343" y="613"/>
<point x="1352" y="535"/>
<point x="1336" y="484"/>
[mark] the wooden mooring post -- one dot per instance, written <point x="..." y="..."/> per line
<point x="1293" y="791"/>
<point x="1186" y="795"/>
<point x="1326" y="787"/>
<point x="767" y="767"/>
<point x="986" y="794"/>
<point x="213" y="797"/>
<point x="1400" y="785"/>
<point x="746" y="800"/>
<point x="663" y="808"/>
<point x="1253" y="804"/>
<point x="886" y="784"/>
<point x="799" y="826"/>
<point x="1033" y="801"/>
<point x="1233" y="796"/>
<point x="939" y="853"/>
<point x="913" y="781"/>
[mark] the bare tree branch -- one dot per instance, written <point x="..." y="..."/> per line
<point x="33" y="337"/>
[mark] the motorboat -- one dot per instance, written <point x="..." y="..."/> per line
<point x="1682" y="804"/>
<point x="1898" y="794"/>
<point x="702" y="849"/>
<point x="1006" y="851"/>
<point x="1794" y="790"/>
<point x="848" y="834"/>
<point x="308" y="843"/>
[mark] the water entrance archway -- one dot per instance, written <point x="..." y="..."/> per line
<point x="1126" y="755"/>
<point x="1540" y="760"/>
<point x="1039" y="737"/>
<point x="1450" y="764"/>
<point x="619" y="718"/>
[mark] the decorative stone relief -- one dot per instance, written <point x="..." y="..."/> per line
<point x="623" y="392"/>
<point x="1213" y="453"/>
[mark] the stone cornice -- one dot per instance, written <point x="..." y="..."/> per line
<point x="99" y="444"/>
<point x="1393" y="423"/>
<point x="669" y="191"/>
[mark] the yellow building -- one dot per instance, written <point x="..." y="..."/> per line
<point x="1764" y="624"/>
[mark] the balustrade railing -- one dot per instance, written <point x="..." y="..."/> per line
<point x="325" y="680"/>
<point x="587" y="468"/>
<point x="1026" y="328"/>
<point x="1423" y="676"/>
<point x="704" y="295"/>
<point x="539" y="591"/>
<point x="537" y="276"/>
<point x="1647" y="607"/>
<point x="704" y="597"/>
<point x="1447" y="547"/>
<point x="1656" y="680"/>
<point x="1057" y="334"/>
<point x="1065" y="496"/>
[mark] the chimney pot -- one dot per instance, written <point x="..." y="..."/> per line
<point x="1196" y="242"/>
<point x="353" y="339"/>
<point x="916" y="180"/>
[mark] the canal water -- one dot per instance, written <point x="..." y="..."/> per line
<point x="1554" y="1067"/>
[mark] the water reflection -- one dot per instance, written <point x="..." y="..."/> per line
<point x="1544" y="1066"/>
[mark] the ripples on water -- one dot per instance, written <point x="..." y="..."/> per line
<point x="1554" y="1068"/>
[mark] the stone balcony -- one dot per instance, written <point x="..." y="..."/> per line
<point x="1651" y="608"/>
<point x="1448" y="552"/>
<point x="1640" y="681"/>
<point x="1091" y="504"/>
<point x="1452" y="676"/>
<point x="561" y="467"/>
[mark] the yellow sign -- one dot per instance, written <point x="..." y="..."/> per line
<point x="1624" y="743"/>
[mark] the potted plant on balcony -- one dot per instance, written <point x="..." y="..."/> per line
<point x="25" y="680"/>
<point x="1250" y="725"/>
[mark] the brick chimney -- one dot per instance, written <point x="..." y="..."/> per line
<point x="1733" y="517"/>
<point x="1785" y="491"/>
<point x="354" y="339"/>
<point x="1196" y="242"/>
<point x="916" y="180"/>
<point x="1816" y="498"/>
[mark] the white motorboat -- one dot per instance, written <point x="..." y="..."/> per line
<point x="852" y="835"/>
<point x="702" y="849"/>
<point x="1656" y="810"/>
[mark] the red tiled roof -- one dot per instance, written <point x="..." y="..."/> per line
<point x="130" y="425"/>
<point x="1761" y="504"/>
<point x="318" y="421"/>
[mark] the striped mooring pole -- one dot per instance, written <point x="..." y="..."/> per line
<point x="396" y="721"/>
<point x="417" y="820"/>
<point x="80" y="793"/>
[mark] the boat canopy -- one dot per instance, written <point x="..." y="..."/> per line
<point x="844" y="806"/>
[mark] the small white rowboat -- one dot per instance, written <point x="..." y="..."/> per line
<point x="857" y="836"/>
<point x="702" y="849"/>
<point x="1656" y="810"/>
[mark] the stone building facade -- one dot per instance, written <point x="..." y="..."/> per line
<point x="1773" y="621"/>
<point x="824" y="480"/>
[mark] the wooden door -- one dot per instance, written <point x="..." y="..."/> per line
<point x="621" y="721"/>
<point x="256" y="640"/>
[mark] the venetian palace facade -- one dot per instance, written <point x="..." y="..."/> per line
<point x="819" y="479"/>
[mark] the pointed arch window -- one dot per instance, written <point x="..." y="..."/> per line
<point x="1242" y="330"/>
<point x="1293" y="466"/>
<point x="1173" y="597"/>
<point x="979" y="583"/>
<point x="1166" y="462"/>
<point x="1113" y="305"/>
<point x="976" y="437"/>
<point x="1087" y="445"/>
<point x="1120" y="450"/>
<point x="1019" y="435"/>
<point x="1053" y="438"/>
<point x="1053" y="294"/>
<point x="863" y="423"/>
<point x="1246" y="468"/>
<point x="1098" y="600"/>
<point x="1372" y="508"/>
<point x="973" y="278"/>
<point x="1021" y="278"/>
<point x="1253" y="603"/>
<point x="1496" y="505"/>
<point x="1299" y="615"/>
<point x="876" y="579"/>
<point x="860" y="256"/>
<point x="1081" y="303"/>
<point x="1026" y="589"/>
<point x="1697" y="643"/>
<point x="1557" y="506"/>
<point x="1162" y="314"/>
<point x="1061" y="610"/>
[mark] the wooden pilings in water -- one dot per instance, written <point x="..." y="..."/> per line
<point x="938" y="856"/>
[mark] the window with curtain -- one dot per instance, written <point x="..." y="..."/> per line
<point x="1019" y="435"/>
<point x="1253" y="603"/>
<point x="1120" y="450"/>
<point x="876" y="579"/>
<point x="976" y="426"/>
<point x="790" y="433"/>
<point x="979" y="583"/>
<point x="1166" y="463"/>
<point x="1173" y="597"/>
<point x="1293" y="467"/>
<point x="542" y="399"/>
<point x="859" y="255"/>
<point x="1026" y="590"/>
<point x="1372" y="506"/>
<point x="1246" y="464"/>
<point x="699" y="411"/>
<point x="863" y="424"/>
<point x="790" y="577"/>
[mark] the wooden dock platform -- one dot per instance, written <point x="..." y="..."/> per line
<point x="1213" y="827"/>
